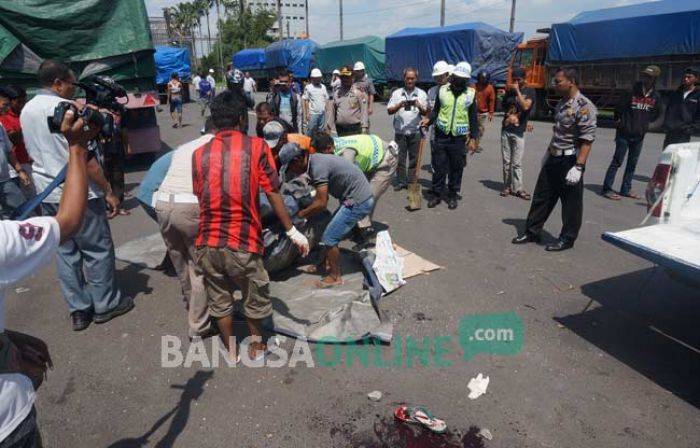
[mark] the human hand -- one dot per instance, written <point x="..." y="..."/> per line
<point x="76" y="130"/>
<point x="471" y="146"/>
<point x="299" y="240"/>
<point x="24" y="178"/>
<point x="113" y="203"/>
<point x="573" y="176"/>
<point x="490" y="116"/>
<point x="529" y="127"/>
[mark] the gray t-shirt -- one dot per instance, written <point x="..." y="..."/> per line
<point x="344" y="179"/>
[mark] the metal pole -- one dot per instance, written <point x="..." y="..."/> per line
<point x="208" y="34"/>
<point x="442" y="13"/>
<point x="341" y="19"/>
<point x="279" y="19"/>
<point x="288" y="35"/>
<point x="306" y="8"/>
<point x="512" y="16"/>
<point x="218" y="35"/>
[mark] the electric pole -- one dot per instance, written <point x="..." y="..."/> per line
<point x="279" y="19"/>
<point x="512" y="16"/>
<point x="341" y="19"/>
<point x="218" y="35"/>
<point x="442" y="13"/>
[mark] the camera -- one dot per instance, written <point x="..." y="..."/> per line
<point x="101" y="92"/>
<point x="409" y="104"/>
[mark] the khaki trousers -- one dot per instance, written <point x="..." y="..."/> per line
<point x="379" y="181"/>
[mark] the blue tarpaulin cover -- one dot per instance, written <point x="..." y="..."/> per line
<point x="170" y="60"/>
<point x="485" y="47"/>
<point x="663" y="28"/>
<point x="249" y="59"/>
<point x="296" y="55"/>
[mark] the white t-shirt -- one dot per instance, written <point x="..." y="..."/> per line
<point x="212" y="81"/>
<point x="49" y="151"/>
<point x="195" y="82"/>
<point x="24" y="247"/>
<point x="407" y="121"/>
<point x="317" y="98"/>
<point x="178" y="179"/>
<point x="249" y="85"/>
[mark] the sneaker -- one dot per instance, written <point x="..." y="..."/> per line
<point x="126" y="305"/>
<point x="81" y="320"/>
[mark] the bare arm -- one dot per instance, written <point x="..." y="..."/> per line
<point x="95" y="174"/>
<point x="319" y="204"/>
<point x="583" y="152"/>
<point x="525" y="103"/>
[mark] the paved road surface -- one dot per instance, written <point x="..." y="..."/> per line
<point x="597" y="367"/>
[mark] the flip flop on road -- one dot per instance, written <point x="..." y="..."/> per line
<point x="420" y="415"/>
<point x="630" y="195"/>
<point x="612" y="196"/>
<point x="522" y="195"/>
<point x="505" y="192"/>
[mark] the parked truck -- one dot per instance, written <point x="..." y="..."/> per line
<point x="609" y="47"/>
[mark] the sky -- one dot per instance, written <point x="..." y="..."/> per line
<point x="383" y="17"/>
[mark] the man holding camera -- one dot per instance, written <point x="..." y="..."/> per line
<point x="85" y="261"/>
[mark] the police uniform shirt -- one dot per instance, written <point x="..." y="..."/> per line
<point x="350" y="107"/>
<point x="574" y="119"/>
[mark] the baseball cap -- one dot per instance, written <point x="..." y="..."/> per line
<point x="345" y="72"/>
<point x="695" y="70"/>
<point x="440" y="68"/>
<point x="652" y="70"/>
<point x="272" y="133"/>
<point x="288" y="153"/>
<point x="336" y="72"/>
<point x="316" y="73"/>
<point x="462" y="70"/>
<point x="211" y="70"/>
<point x="359" y="66"/>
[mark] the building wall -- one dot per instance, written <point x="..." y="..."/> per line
<point x="293" y="12"/>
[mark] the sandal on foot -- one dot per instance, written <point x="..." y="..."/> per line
<point x="323" y="284"/>
<point x="612" y="196"/>
<point x="630" y="195"/>
<point x="421" y="416"/>
<point x="522" y="195"/>
<point x="505" y="192"/>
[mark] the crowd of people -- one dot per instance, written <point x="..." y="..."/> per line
<point x="206" y="194"/>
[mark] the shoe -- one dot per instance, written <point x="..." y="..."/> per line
<point x="434" y="201"/>
<point x="559" y="246"/>
<point x="452" y="202"/>
<point x="526" y="238"/>
<point x="81" y="320"/>
<point x="126" y="305"/>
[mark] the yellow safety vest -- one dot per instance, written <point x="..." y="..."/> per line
<point x="453" y="117"/>
<point x="369" y="149"/>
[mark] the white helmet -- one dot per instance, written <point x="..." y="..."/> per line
<point x="440" y="68"/>
<point x="462" y="70"/>
<point x="336" y="72"/>
<point x="316" y="73"/>
<point x="359" y="66"/>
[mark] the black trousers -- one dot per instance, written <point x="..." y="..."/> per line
<point x="449" y="157"/>
<point x="672" y="138"/>
<point x="348" y="129"/>
<point x="408" y="157"/>
<point x="551" y="187"/>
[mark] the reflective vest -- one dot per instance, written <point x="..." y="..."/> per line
<point x="369" y="149"/>
<point x="453" y="117"/>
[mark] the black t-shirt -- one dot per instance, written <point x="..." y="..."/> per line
<point x="511" y="106"/>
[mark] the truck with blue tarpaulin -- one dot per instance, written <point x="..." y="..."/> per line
<point x="296" y="56"/>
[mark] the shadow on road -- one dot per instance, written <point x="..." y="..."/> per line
<point x="595" y="188"/>
<point x="492" y="184"/>
<point x="132" y="280"/>
<point x="648" y="321"/>
<point x="179" y="415"/>
<point x="519" y="225"/>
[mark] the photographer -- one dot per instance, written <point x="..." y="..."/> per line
<point x="24" y="247"/>
<point x="85" y="261"/>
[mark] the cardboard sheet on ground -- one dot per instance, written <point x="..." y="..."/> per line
<point x="413" y="264"/>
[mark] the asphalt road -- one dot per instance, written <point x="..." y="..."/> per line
<point x="610" y="355"/>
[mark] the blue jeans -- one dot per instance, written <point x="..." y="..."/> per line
<point x="316" y="123"/>
<point x="344" y="219"/>
<point x="11" y="197"/>
<point x="623" y="146"/>
<point x="86" y="262"/>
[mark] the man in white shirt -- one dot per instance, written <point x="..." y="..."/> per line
<point x="315" y="99"/>
<point x="195" y="81"/>
<point x="407" y="105"/>
<point x="86" y="262"/>
<point x="249" y="87"/>
<point x="212" y="81"/>
<point x="24" y="247"/>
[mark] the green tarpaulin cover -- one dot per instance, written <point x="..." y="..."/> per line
<point x="110" y="37"/>
<point x="369" y="49"/>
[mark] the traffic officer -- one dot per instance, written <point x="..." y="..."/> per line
<point x="347" y="109"/>
<point x="456" y="131"/>
<point x="561" y="177"/>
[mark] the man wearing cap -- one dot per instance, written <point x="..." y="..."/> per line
<point x="335" y="80"/>
<point x="561" y="176"/>
<point x="344" y="181"/>
<point x="347" y="110"/>
<point x="314" y="99"/>
<point x="456" y="132"/>
<point x="407" y="104"/>
<point x="517" y="103"/>
<point x="375" y="157"/>
<point x="683" y="112"/>
<point x="364" y="83"/>
<point x="212" y="81"/>
<point x="285" y="103"/>
<point x="276" y="136"/>
<point x="633" y="114"/>
<point x="441" y="76"/>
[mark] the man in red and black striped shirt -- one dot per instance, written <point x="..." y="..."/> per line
<point x="227" y="174"/>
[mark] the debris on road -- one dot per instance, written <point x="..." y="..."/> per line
<point x="477" y="386"/>
<point x="486" y="434"/>
<point x="375" y="395"/>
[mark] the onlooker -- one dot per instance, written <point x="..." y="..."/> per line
<point x="365" y="84"/>
<point x="633" y="114"/>
<point x="295" y="84"/>
<point x="210" y="78"/>
<point x="12" y="101"/>
<point x="517" y="103"/>
<point x="175" y="99"/>
<point x="682" y="118"/>
<point x="347" y="110"/>
<point x="335" y="80"/>
<point x="250" y="87"/>
<point x="11" y="195"/>
<point x="205" y="90"/>
<point x="344" y="181"/>
<point x="196" y="79"/>
<point x="407" y="104"/>
<point x="229" y="239"/>
<point x="286" y="104"/>
<point x="441" y="76"/>
<point x="485" y="104"/>
<point x="315" y="99"/>
<point x="151" y="183"/>
<point x="264" y="115"/>
<point x="25" y="246"/>
<point x="85" y="261"/>
<point x="177" y="210"/>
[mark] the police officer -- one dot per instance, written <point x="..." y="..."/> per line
<point x="456" y="131"/>
<point x="563" y="164"/>
<point x="347" y="112"/>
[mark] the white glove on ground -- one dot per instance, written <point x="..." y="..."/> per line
<point x="299" y="240"/>
<point x="573" y="176"/>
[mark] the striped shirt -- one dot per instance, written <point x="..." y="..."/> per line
<point x="227" y="175"/>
